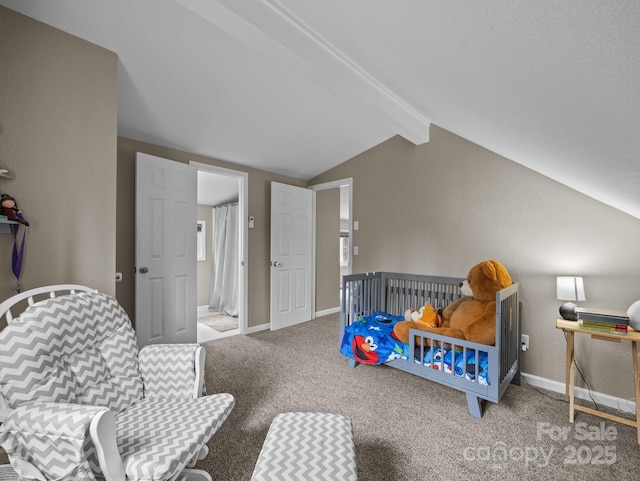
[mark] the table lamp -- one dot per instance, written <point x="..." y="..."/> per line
<point x="569" y="289"/>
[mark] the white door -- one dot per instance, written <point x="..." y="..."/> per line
<point x="165" y="251"/>
<point x="291" y="255"/>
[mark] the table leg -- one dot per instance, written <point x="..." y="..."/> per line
<point x="570" y="375"/>
<point x="567" y="364"/>
<point x="636" y="381"/>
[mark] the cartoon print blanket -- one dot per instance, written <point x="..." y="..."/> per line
<point x="371" y="340"/>
<point x="447" y="360"/>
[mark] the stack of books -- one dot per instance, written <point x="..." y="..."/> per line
<point x="603" y="320"/>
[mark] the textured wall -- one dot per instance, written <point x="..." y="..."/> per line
<point x="58" y="121"/>
<point x="441" y="207"/>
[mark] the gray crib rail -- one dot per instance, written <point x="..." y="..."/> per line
<point x="508" y="334"/>
<point x="393" y="293"/>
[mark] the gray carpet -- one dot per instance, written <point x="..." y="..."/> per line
<point x="406" y="428"/>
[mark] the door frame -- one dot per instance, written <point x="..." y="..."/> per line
<point x="335" y="184"/>
<point x="243" y="202"/>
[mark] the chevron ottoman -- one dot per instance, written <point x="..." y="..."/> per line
<point x="308" y="447"/>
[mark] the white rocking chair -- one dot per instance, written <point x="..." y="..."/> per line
<point x="82" y="402"/>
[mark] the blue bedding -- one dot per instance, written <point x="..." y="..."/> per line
<point x="371" y="340"/>
<point x="447" y="359"/>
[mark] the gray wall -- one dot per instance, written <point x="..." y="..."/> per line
<point x="58" y="121"/>
<point x="442" y="207"/>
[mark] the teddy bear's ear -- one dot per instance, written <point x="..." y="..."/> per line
<point x="489" y="270"/>
<point x="495" y="271"/>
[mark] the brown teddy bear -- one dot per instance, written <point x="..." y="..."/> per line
<point x="472" y="317"/>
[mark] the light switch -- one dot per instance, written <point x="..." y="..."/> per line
<point x="356" y="225"/>
<point x="355" y="250"/>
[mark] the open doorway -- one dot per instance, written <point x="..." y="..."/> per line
<point x="333" y="236"/>
<point x="221" y="230"/>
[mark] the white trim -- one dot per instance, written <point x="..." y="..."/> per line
<point x="326" y="312"/>
<point x="243" y="197"/>
<point x="334" y="184"/>
<point x="313" y="254"/>
<point x="261" y="327"/>
<point x="622" y="405"/>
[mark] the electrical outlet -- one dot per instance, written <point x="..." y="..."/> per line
<point x="524" y="341"/>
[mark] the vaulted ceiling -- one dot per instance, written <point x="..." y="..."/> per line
<point x="299" y="86"/>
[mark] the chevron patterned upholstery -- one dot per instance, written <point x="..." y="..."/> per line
<point x="152" y="429"/>
<point x="167" y="381"/>
<point x="86" y="332"/>
<point x="52" y="437"/>
<point x="303" y="446"/>
<point x="65" y="359"/>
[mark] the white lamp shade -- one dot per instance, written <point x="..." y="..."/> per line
<point x="570" y="288"/>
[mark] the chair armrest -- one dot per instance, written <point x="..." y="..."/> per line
<point x="172" y="370"/>
<point x="103" y="435"/>
<point x="51" y="438"/>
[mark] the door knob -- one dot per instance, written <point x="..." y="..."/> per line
<point x="144" y="270"/>
<point x="276" y="264"/>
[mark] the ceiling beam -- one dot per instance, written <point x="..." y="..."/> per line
<point x="270" y="29"/>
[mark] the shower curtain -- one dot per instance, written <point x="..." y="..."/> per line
<point x="223" y="290"/>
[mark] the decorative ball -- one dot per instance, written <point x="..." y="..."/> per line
<point x="568" y="311"/>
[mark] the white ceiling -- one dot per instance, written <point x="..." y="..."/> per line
<point x="217" y="189"/>
<point x="299" y="86"/>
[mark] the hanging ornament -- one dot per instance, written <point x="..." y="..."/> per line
<point x="9" y="208"/>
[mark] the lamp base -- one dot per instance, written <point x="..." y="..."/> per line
<point x="568" y="311"/>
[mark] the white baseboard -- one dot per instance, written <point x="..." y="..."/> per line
<point x="326" y="312"/>
<point x="267" y="326"/>
<point x="622" y="405"/>
<point x="261" y="327"/>
<point x="202" y="311"/>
